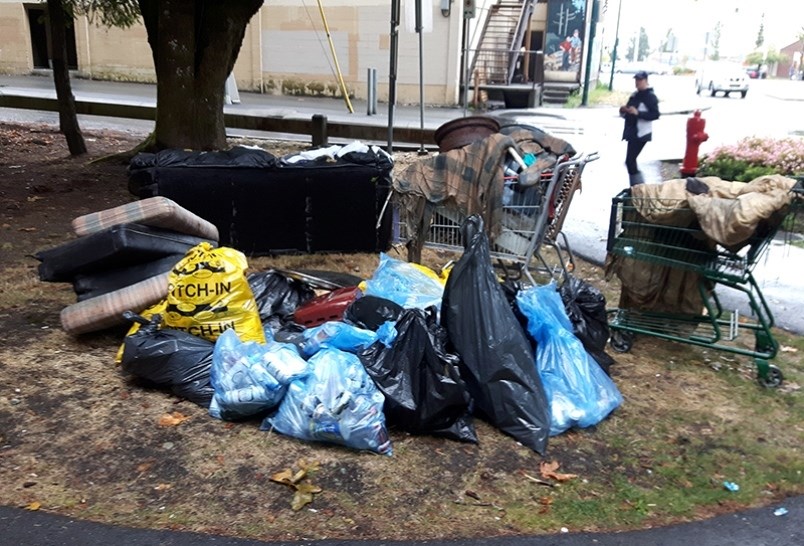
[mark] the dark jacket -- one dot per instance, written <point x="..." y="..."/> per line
<point x="648" y="105"/>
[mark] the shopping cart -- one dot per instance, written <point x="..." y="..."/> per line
<point x="688" y="249"/>
<point x="531" y="218"/>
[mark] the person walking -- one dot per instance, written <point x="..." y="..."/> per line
<point x="639" y="112"/>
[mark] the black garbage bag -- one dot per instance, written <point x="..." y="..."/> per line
<point x="278" y="294"/>
<point x="497" y="361"/>
<point x="169" y="358"/>
<point x="371" y="312"/>
<point x="424" y="392"/>
<point x="586" y="309"/>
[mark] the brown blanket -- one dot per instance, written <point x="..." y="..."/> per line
<point x="468" y="179"/>
<point x="729" y="213"/>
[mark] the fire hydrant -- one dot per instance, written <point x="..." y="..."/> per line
<point x="695" y="136"/>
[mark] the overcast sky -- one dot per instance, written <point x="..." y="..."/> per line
<point x="691" y="19"/>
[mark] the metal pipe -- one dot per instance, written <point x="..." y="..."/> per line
<point x="392" y="69"/>
<point x="419" y="28"/>
<point x="335" y="58"/>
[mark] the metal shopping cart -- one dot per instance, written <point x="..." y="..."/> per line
<point x="532" y="216"/>
<point x="684" y="248"/>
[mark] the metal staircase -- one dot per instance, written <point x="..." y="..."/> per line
<point x="494" y="60"/>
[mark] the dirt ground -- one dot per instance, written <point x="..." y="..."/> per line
<point x="77" y="438"/>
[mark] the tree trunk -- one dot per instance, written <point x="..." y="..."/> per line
<point x="194" y="45"/>
<point x="68" y="119"/>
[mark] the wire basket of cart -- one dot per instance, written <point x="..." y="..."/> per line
<point x="673" y="244"/>
<point x="523" y="205"/>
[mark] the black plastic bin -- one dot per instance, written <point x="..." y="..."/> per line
<point x="262" y="205"/>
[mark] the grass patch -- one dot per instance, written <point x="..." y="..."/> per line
<point x="598" y="96"/>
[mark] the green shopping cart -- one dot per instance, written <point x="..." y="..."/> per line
<point x="654" y="238"/>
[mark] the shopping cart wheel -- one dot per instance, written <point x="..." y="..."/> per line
<point x="772" y="378"/>
<point x="621" y="341"/>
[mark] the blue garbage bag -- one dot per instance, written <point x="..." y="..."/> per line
<point x="336" y="403"/>
<point x="404" y="284"/>
<point x="250" y="378"/>
<point x="579" y="391"/>
<point x="338" y="335"/>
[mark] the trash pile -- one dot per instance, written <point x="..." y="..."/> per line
<point x="407" y="349"/>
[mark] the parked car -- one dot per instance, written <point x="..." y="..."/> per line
<point x="726" y="79"/>
<point x="753" y="73"/>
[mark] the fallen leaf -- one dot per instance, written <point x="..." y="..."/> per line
<point x="34" y="506"/>
<point x="298" y="476"/>
<point x="33" y="198"/>
<point x="304" y="491"/>
<point x="284" y="477"/>
<point x="172" y="419"/>
<point x="307" y="487"/>
<point x="788" y="349"/>
<point x="308" y="466"/>
<point x="548" y="470"/>
<point x="301" y="499"/>
<point x="144" y="467"/>
<point x="537" y="480"/>
<point x="162" y="487"/>
<point x="470" y="493"/>
<point x="27" y="229"/>
<point x="546" y="501"/>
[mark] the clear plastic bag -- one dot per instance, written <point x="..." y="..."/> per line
<point x="405" y="284"/>
<point x="336" y="403"/>
<point x="579" y="391"/>
<point x="335" y="334"/>
<point x="250" y="378"/>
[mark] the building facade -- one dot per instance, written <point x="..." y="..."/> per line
<point x="286" y="48"/>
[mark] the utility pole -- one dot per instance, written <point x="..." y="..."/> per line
<point x="590" y="42"/>
<point x="616" y="43"/>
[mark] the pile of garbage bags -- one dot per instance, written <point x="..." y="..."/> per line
<point x="408" y="349"/>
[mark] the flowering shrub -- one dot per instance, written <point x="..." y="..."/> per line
<point x="754" y="156"/>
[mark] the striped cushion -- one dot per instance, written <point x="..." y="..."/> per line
<point x="107" y="310"/>
<point x="154" y="211"/>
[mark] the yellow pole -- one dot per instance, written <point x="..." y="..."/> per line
<point x="335" y="57"/>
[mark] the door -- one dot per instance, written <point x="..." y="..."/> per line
<point x="40" y="43"/>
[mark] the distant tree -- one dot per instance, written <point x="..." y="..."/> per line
<point x="644" y="46"/>
<point x="774" y="57"/>
<point x="668" y="45"/>
<point x="760" y="41"/>
<point x="630" y="53"/>
<point x="755" y="58"/>
<point x="801" y="41"/>
<point x="716" y="41"/>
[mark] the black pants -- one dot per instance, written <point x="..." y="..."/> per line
<point x="634" y="148"/>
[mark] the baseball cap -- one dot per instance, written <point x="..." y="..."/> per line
<point x="641" y="75"/>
